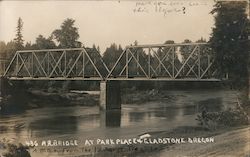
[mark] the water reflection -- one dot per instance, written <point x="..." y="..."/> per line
<point x="189" y="110"/>
<point x="132" y="120"/>
<point x="211" y="104"/>
<point x="137" y="116"/>
<point x="56" y="125"/>
<point x="15" y="104"/>
<point x="110" y="118"/>
<point x="168" y="113"/>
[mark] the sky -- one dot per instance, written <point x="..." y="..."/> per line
<point x="105" y="22"/>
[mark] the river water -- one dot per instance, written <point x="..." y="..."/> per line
<point x="81" y="122"/>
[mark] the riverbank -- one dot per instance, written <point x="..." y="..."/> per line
<point x="70" y="98"/>
<point x="35" y="98"/>
<point x="231" y="143"/>
<point x="227" y="142"/>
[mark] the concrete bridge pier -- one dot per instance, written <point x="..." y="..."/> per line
<point x="110" y="96"/>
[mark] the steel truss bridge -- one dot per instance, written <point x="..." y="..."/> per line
<point x="166" y="62"/>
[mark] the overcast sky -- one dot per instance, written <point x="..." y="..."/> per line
<point x="106" y="22"/>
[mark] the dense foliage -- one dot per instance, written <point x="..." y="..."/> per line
<point x="229" y="40"/>
<point x="67" y="35"/>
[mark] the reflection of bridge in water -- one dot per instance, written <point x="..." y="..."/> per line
<point x="164" y="62"/>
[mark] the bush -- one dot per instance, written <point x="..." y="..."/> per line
<point x="16" y="151"/>
<point x="230" y="117"/>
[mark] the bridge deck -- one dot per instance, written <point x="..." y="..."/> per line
<point x="116" y="79"/>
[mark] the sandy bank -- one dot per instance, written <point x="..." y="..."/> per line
<point x="235" y="143"/>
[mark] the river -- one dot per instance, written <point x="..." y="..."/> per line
<point x="88" y="122"/>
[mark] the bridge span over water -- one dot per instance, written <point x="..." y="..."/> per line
<point x="162" y="62"/>
<point x="178" y="62"/>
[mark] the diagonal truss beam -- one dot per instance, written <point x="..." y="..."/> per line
<point x="138" y="63"/>
<point x="183" y="65"/>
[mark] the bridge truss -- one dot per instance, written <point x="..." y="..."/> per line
<point x="169" y="62"/>
<point x="57" y="64"/>
<point x="185" y="62"/>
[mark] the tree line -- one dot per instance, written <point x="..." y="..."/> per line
<point x="67" y="37"/>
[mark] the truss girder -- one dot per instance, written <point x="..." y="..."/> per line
<point x="170" y="61"/>
<point x="57" y="63"/>
<point x="144" y="62"/>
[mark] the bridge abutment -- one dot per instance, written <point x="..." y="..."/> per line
<point x="110" y="97"/>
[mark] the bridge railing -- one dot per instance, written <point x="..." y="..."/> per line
<point x="165" y="62"/>
<point x="75" y="63"/>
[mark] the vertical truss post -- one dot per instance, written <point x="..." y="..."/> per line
<point x="149" y="62"/>
<point x="32" y="64"/>
<point x="208" y="64"/>
<point x="65" y="65"/>
<point x="173" y="62"/>
<point x="48" y="63"/>
<point x="199" y="62"/>
<point x="17" y="63"/>
<point x="83" y="64"/>
<point x="159" y="50"/>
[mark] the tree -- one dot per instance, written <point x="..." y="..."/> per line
<point x="111" y="54"/>
<point x="165" y="49"/>
<point x="229" y="40"/>
<point x="201" y="40"/>
<point x="2" y="56"/>
<point x="186" y="49"/>
<point x="2" y="50"/>
<point x="10" y="50"/>
<point x="19" y="37"/>
<point x="67" y="35"/>
<point x="44" y="43"/>
<point x="30" y="46"/>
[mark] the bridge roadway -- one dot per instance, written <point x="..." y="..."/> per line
<point x="162" y="62"/>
